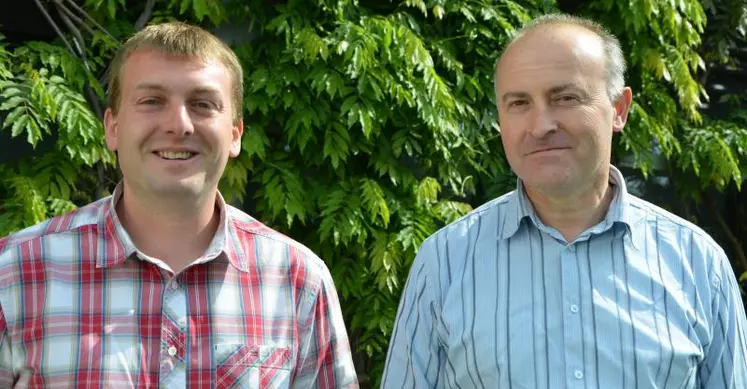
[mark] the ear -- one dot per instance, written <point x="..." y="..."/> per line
<point x="622" y="108"/>
<point x="111" y="129"/>
<point x="236" y="131"/>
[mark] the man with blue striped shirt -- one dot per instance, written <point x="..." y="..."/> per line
<point x="568" y="281"/>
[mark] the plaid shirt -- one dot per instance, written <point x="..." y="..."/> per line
<point x="80" y="307"/>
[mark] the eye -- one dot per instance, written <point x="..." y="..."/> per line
<point x="204" y="104"/>
<point x="149" y="101"/>
<point x="567" y="99"/>
<point x="517" y="103"/>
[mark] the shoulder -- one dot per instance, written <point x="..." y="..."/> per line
<point x="87" y="219"/>
<point x="681" y="237"/>
<point x="445" y="252"/>
<point x="273" y="252"/>
<point x="491" y="215"/>
<point x="667" y="222"/>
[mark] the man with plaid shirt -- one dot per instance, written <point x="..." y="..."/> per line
<point x="163" y="284"/>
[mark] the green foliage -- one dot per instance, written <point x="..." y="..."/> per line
<point x="36" y="188"/>
<point x="721" y="155"/>
<point x="369" y="124"/>
<point x="41" y="95"/>
<point x="666" y="54"/>
<point x="661" y="41"/>
<point x="199" y="10"/>
<point x="369" y="127"/>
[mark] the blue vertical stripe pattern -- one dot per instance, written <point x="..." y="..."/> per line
<point x="497" y="299"/>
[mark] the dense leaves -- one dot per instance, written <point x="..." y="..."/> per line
<point x="41" y="95"/>
<point x="369" y="124"/>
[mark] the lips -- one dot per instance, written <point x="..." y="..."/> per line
<point x="175" y="155"/>
<point x="547" y="149"/>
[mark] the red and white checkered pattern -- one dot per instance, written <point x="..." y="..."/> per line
<point x="80" y="307"/>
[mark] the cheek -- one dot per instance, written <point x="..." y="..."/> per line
<point x="597" y="117"/>
<point x="582" y="123"/>
<point x="512" y="141"/>
<point x="219" y="136"/>
<point x="507" y="137"/>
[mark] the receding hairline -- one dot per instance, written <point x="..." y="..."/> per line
<point x="614" y="62"/>
<point x="548" y="26"/>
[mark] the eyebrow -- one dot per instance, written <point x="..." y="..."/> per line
<point x="148" y="86"/>
<point x="554" y="90"/>
<point x="566" y="87"/>
<point x="157" y="87"/>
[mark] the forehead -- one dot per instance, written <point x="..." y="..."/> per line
<point x="167" y="71"/>
<point x="550" y="56"/>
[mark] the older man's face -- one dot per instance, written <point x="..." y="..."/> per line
<point x="555" y="116"/>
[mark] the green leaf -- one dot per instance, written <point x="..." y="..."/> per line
<point x="419" y="4"/>
<point x="336" y="144"/>
<point x="373" y="200"/>
<point x="14" y="116"/>
<point x="184" y="6"/>
<point x="11" y="103"/>
<point x="200" y="9"/>
<point x="255" y="142"/>
<point x="450" y="211"/>
<point x="438" y="12"/>
<point x="428" y="189"/>
<point x="111" y="8"/>
<point x="19" y="126"/>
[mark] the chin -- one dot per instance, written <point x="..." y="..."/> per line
<point x="180" y="188"/>
<point x="549" y="180"/>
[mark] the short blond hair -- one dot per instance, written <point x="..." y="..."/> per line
<point x="179" y="39"/>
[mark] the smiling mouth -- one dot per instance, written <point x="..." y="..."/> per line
<point x="175" y="155"/>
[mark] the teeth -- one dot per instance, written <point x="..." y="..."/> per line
<point x="175" y="155"/>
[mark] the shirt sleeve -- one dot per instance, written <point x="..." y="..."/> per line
<point x="725" y="365"/>
<point x="6" y="362"/>
<point x="414" y="354"/>
<point x="325" y="360"/>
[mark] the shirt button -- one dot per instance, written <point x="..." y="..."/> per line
<point x="174" y="285"/>
<point x="172" y="351"/>
<point x="574" y="308"/>
<point x="572" y="248"/>
<point x="578" y="374"/>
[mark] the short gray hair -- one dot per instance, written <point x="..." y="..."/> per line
<point x="614" y="61"/>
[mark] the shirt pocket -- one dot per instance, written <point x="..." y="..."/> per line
<point x="252" y="366"/>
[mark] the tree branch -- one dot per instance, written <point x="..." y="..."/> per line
<point x="739" y="253"/>
<point x="80" y="44"/>
<point x="54" y="25"/>
<point x="61" y="7"/>
<point x="93" y="100"/>
<point x="145" y="16"/>
<point x="87" y="16"/>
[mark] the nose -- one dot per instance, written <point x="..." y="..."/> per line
<point x="543" y="121"/>
<point x="179" y="120"/>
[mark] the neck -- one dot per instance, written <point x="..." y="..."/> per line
<point x="175" y="232"/>
<point x="573" y="214"/>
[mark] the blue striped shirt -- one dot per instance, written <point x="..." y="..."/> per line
<point x="642" y="300"/>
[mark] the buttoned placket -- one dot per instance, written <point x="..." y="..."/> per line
<point x="572" y="318"/>
<point x="173" y="366"/>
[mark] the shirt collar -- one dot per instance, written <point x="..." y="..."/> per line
<point x="119" y="245"/>
<point x="620" y="212"/>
